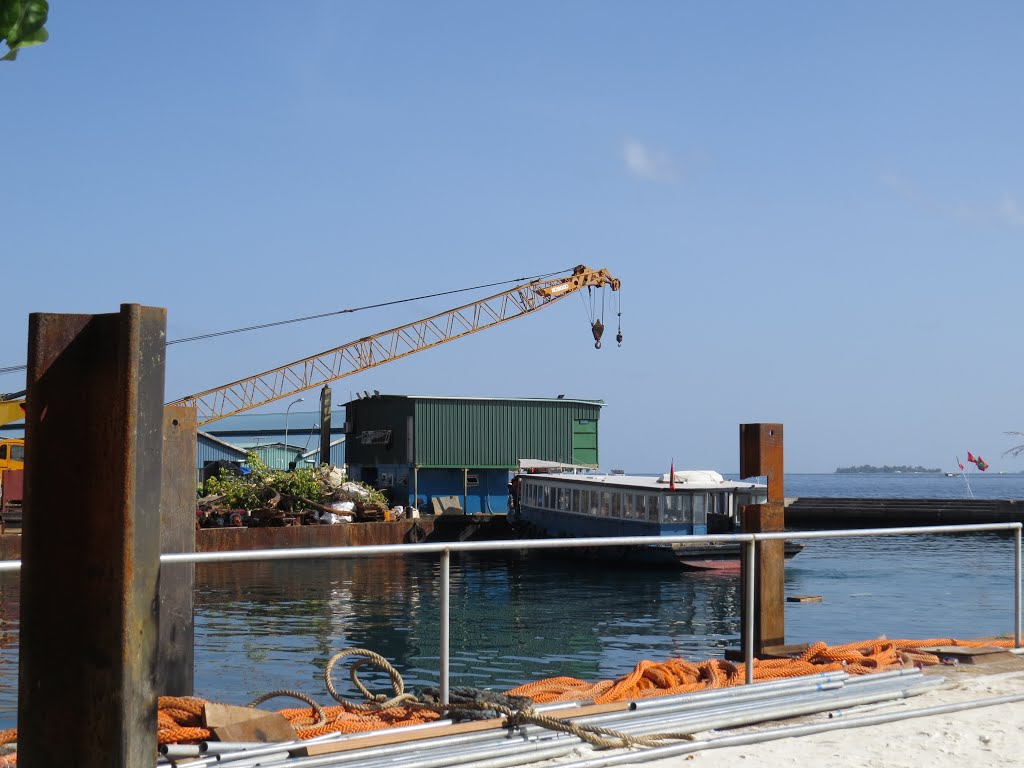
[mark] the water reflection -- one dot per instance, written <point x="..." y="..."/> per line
<point x="274" y="625"/>
<point x="513" y="619"/>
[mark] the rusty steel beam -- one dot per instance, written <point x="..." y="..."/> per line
<point x="176" y="667"/>
<point x="761" y="455"/>
<point x="91" y="539"/>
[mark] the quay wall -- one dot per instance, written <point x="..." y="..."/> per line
<point x="822" y="513"/>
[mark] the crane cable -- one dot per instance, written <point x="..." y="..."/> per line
<point x="261" y="326"/>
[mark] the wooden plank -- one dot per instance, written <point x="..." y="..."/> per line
<point x="216" y="714"/>
<point x="455" y="729"/>
<point x="270" y="728"/>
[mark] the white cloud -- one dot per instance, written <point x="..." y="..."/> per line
<point x="645" y="163"/>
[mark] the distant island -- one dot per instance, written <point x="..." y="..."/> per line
<point x="865" y="469"/>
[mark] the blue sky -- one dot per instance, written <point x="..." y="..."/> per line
<point x="816" y="209"/>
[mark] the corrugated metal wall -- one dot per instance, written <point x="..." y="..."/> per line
<point x="211" y="450"/>
<point x="496" y="433"/>
<point x="471" y="432"/>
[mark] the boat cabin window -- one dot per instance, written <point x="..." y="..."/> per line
<point x="575" y="500"/>
<point x="616" y="504"/>
<point x="651" y="506"/>
<point x="627" y="506"/>
<point x="678" y="508"/>
<point x="700" y="509"/>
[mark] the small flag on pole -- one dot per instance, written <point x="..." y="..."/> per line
<point x="979" y="462"/>
<point x="958" y="463"/>
<point x="672" y="476"/>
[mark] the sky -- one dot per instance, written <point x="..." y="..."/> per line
<point x="816" y="209"/>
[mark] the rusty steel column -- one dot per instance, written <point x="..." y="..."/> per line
<point x="761" y="455"/>
<point x="91" y="539"/>
<point x="176" y="667"/>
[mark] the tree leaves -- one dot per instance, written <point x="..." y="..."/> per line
<point x="22" y="25"/>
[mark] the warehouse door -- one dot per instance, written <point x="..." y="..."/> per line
<point x="584" y="441"/>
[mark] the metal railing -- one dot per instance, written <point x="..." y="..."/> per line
<point x="444" y="549"/>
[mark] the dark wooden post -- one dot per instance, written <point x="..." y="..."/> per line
<point x="176" y="667"/>
<point x="761" y="456"/>
<point x="91" y="539"/>
<point x="325" y="425"/>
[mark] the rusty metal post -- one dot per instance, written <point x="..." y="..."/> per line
<point x="761" y="455"/>
<point x="176" y="666"/>
<point x="91" y="539"/>
<point x="325" y="425"/>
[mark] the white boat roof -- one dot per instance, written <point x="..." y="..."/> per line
<point x="552" y="466"/>
<point x="685" y="480"/>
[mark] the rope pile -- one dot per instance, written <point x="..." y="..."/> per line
<point x="180" y="719"/>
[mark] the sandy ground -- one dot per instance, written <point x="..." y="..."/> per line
<point x="987" y="736"/>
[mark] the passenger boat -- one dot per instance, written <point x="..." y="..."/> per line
<point x="691" y="502"/>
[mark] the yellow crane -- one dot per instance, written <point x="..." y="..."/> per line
<point x="12" y="407"/>
<point x="371" y="351"/>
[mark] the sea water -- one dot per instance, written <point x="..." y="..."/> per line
<point x="275" y="625"/>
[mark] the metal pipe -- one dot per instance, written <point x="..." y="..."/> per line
<point x="178" y="751"/>
<point x="768" y="707"/>
<point x="807" y="705"/>
<point x="659" y="702"/>
<point x="247" y="761"/>
<point x="851" y="533"/>
<point x="1016" y="588"/>
<point x="509" y="755"/>
<point x="727" y="697"/>
<point x="424" y="757"/>
<point x="444" y="608"/>
<point x="748" y="613"/>
<point x="674" y="750"/>
<point x="629" y="719"/>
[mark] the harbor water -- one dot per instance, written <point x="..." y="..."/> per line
<point x="516" y="617"/>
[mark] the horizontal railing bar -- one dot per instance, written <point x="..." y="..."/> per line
<point x="305" y="553"/>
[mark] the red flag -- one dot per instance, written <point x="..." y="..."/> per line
<point x="672" y="476"/>
<point x="978" y="461"/>
<point x="958" y="462"/>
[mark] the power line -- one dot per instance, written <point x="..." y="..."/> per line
<point x="215" y="334"/>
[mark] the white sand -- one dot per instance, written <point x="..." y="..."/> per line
<point x="987" y="736"/>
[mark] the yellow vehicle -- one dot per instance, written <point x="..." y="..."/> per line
<point x="12" y="454"/>
<point x="12" y="451"/>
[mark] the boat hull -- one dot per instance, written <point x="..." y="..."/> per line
<point x="696" y="556"/>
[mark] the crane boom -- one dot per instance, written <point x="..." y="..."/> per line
<point x="371" y="351"/>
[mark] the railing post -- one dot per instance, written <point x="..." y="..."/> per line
<point x="446" y="556"/>
<point x="748" y="615"/>
<point x="1016" y="587"/>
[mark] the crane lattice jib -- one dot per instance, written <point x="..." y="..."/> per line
<point x="371" y="351"/>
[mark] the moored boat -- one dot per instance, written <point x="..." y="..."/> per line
<point x="690" y="502"/>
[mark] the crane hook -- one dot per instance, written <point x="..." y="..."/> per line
<point x="618" y="338"/>
<point x="597" y="328"/>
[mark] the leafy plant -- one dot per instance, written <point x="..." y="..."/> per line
<point x="22" y="25"/>
<point x="252" y="491"/>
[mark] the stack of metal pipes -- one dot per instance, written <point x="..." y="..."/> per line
<point x="834" y="692"/>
